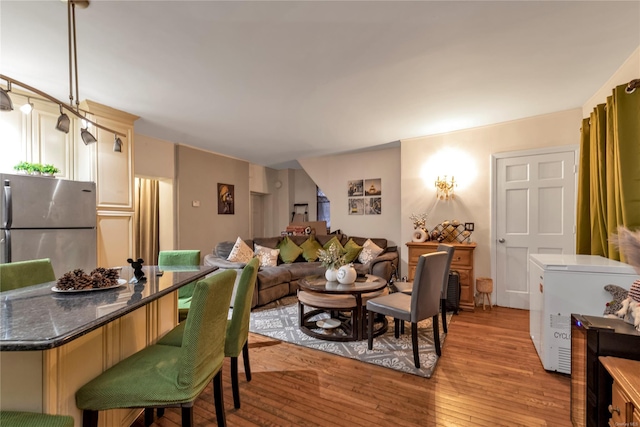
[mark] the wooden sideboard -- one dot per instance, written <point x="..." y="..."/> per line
<point x="625" y="391"/>
<point x="462" y="262"/>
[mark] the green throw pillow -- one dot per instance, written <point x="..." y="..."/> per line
<point x="289" y="251"/>
<point x="310" y="249"/>
<point x="353" y="250"/>
<point x="335" y="240"/>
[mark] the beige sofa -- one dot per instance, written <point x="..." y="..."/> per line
<point x="276" y="282"/>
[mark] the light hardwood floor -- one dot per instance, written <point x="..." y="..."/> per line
<point x="488" y="375"/>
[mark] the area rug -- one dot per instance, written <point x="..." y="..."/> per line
<point x="279" y="320"/>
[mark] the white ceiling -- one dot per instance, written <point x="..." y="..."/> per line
<point x="271" y="82"/>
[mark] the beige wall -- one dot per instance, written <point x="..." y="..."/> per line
<point x="198" y="173"/>
<point x="472" y="201"/>
<point x="331" y="173"/>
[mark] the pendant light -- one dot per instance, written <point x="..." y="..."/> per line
<point x="117" y="144"/>
<point x="63" y="122"/>
<point x="87" y="137"/>
<point x="5" y="100"/>
<point x="27" y="108"/>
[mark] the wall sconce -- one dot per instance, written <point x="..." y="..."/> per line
<point x="444" y="188"/>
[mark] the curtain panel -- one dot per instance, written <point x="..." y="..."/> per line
<point x="609" y="177"/>
<point x="147" y="218"/>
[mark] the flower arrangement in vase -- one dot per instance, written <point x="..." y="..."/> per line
<point x="331" y="259"/>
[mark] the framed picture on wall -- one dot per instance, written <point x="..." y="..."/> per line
<point x="373" y="206"/>
<point x="354" y="188"/>
<point x="373" y="187"/>
<point x="225" y="199"/>
<point x="356" y="206"/>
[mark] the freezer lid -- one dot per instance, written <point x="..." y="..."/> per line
<point x="582" y="263"/>
<point x="43" y="202"/>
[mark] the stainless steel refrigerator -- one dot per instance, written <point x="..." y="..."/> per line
<point x="43" y="217"/>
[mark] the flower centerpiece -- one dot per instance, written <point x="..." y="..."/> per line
<point x="331" y="259"/>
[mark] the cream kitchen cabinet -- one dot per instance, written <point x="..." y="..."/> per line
<point x="34" y="138"/>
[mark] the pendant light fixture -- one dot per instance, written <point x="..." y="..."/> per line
<point x="63" y="123"/>
<point x="28" y="107"/>
<point x="5" y="99"/>
<point x="117" y="144"/>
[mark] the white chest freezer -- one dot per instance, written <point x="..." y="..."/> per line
<point x="563" y="284"/>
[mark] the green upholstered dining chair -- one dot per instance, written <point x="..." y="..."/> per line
<point x="237" y="328"/>
<point x="423" y="303"/>
<point x="186" y="257"/>
<point x="32" y="419"/>
<point x="161" y="376"/>
<point x="21" y="274"/>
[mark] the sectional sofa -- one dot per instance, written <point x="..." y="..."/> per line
<point x="277" y="281"/>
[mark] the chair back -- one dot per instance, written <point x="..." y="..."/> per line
<point x="180" y="257"/>
<point x="20" y="274"/>
<point x="449" y="249"/>
<point x="427" y="285"/>
<point x="238" y="326"/>
<point x="202" y="349"/>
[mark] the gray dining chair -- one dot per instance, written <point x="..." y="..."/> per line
<point x="406" y="287"/>
<point x="423" y="303"/>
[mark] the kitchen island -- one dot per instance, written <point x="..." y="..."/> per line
<point x="52" y="342"/>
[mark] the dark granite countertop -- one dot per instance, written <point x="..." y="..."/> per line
<point x="37" y="318"/>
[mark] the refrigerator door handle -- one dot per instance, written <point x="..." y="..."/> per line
<point x="8" y="208"/>
<point x="6" y="242"/>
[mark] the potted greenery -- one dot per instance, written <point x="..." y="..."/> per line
<point x="21" y="167"/>
<point x="34" y="168"/>
<point x="49" y="170"/>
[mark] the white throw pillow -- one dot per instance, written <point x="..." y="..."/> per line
<point x="241" y="252"/>
<point x="268" y="257"/>
<point x="369" y="251"/>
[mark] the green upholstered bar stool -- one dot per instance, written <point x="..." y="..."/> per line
<point x="161" y="376"/>
<point x="21" y="274"/>
<point x="176" y="258"/>
<point x="237" y="328"/>
<point x="32" y="419"/>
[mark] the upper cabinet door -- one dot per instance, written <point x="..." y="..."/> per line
<point x="113" y="171"/>
<point x="14" y="132"/>
<point x="49" y="145"/>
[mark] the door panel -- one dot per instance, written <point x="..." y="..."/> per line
<point x="535" y="214"/>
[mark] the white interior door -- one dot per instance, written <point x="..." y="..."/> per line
<point x="535" y="213"/>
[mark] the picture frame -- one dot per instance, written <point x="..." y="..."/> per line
<point x="373" y="187"/>
<point x="226" y="199"/>
<point x="373" y="206"/>
<point x="355" y="188"/>
<point x="356" y="206"/>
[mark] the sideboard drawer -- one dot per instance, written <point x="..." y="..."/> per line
<point x="461" y="258"/>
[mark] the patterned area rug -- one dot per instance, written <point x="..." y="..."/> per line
<point x="279" y="320"/>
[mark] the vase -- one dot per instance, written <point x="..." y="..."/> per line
<point x="331" y="274"/>
<point x="347" y="274"/>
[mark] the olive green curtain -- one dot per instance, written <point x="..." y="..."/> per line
<point x="609" y="178"/>
<point x="147" y="214"/>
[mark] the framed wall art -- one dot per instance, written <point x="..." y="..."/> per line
<point x="373" y="206"/>
<point x="225" y="199"/>
<point x="373" y="187"/>
<point x="355" y="188"/>
<point x="356" y="206"/>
